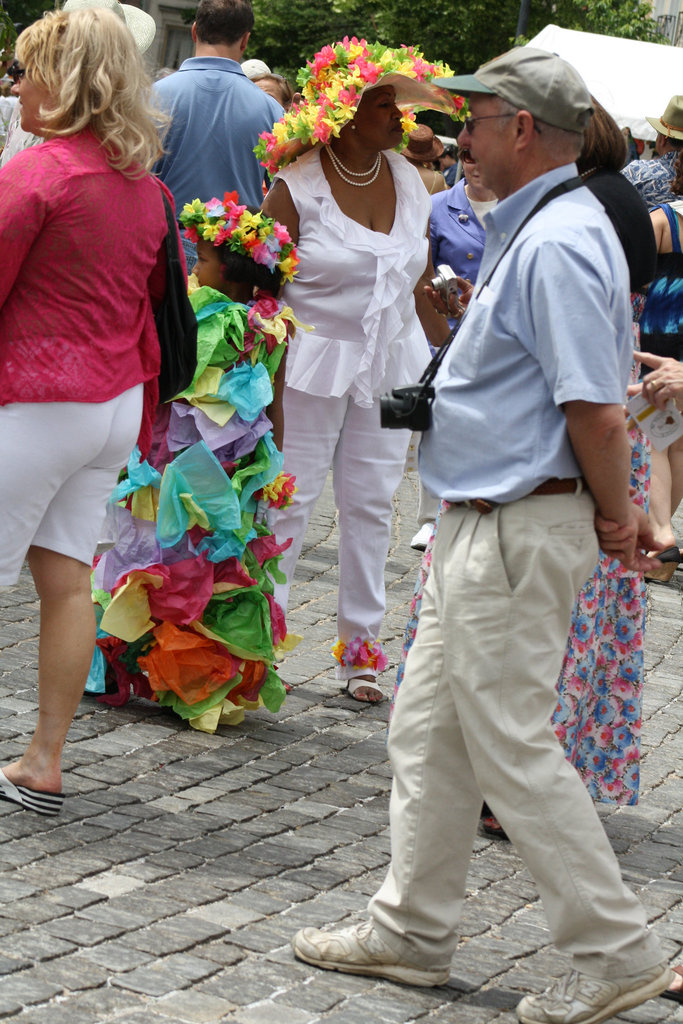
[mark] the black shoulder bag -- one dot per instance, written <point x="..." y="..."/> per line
<point x="175" y="321"/>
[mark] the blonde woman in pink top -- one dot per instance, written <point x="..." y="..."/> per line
<point x="82" y="232"/>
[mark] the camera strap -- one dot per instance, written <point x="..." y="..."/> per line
<point x="564" y="186"/>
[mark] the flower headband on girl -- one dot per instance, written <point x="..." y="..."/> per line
<point x="261" y="238"/>
<point x="332" y="86"/>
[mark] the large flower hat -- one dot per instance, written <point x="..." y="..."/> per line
<point x="332" y="85"/>
<point x="263" y="239"/>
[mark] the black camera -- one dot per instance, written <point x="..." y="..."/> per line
<point x="407" y="408"/>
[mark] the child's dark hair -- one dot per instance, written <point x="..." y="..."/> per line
<point x="244" y="270"/>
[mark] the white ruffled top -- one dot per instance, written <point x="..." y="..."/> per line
<point x="355" y="286"/>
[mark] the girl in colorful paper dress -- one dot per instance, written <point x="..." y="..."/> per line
<point x="359" y="215"/>
<point x="185" y="596"/>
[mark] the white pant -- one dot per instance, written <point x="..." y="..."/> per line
<point x="472" y="719"/>
<point x="367" y="463"/>
<point x="58" y="465"/>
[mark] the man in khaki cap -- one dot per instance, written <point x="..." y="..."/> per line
<point x="527" y="442"/>
<point x="653" y="177"/>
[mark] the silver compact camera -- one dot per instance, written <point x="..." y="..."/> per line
<point x="446" y="283"/>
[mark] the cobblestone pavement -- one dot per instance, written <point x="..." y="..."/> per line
<point x="168" y="889"/>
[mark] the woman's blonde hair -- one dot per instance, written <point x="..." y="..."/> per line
<point x="88" y="61"/>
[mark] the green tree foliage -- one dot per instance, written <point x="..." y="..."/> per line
<point x="7" y="37"/>
<point x="25" y="12"/>
<point x="288" y="32"/>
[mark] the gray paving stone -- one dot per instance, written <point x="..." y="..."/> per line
<point x="160" y="977"/>
<point x="170" y="887"/>
<point x="194" y="1006"/>
<point x="25" y="989"/>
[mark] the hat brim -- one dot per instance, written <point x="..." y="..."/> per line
<point x="410" y="95"/>
<point x="414" y="95"/>
<point x="142" y="26"/>
<point x="668" y="133"/>
<point x="432" y="154"/>
<point x="463" y="85"/>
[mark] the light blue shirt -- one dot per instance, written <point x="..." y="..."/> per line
<point x="217" y="115"/>
<point x="553" y="326"/>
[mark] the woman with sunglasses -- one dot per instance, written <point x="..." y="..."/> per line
<point x="79" y="354"/>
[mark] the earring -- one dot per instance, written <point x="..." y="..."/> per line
<point x="353" y="127"/>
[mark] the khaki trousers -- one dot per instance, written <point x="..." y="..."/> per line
<point x="472" y="719"/>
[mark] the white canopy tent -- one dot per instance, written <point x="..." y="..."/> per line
<point x="632" y="80"/>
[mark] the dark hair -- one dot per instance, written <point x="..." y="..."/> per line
<point x="243" y="270"/>
<point x="677" y="183"/>
<point x="223" y="21"/>
<point x="604" y="147"/>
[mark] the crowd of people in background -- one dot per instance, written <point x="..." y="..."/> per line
<point x="314" y="226"/>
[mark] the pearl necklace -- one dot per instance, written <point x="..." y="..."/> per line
<point x="340" y="168"/>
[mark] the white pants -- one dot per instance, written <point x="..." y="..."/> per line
<point x="472" y="720"/>
<point x="427" y="506"/>
<point x="367" y="463"/>
<point x="59" y="462"/>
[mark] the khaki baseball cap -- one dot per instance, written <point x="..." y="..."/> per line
<point x="534" y="80"/>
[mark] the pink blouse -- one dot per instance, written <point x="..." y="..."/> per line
<point x="81" y="249"/>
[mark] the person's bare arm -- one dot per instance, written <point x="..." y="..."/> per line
<point x="600" y="443"/>
<point x="660" y="226"/>
<point x="275" y="412"/>
<point x="433" y="321"/>
<point x="280" y="205"/>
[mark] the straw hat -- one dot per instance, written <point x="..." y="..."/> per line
<point x="142" y="25"/>
<point x="332" y="86"/>
<point x="423" y="145"/>
<point x="670" y="124"/>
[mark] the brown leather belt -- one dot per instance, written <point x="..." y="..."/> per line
<point x="553" y="486"/>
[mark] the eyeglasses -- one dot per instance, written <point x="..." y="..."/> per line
<point x="470" y="122"/>
<point x="15" y="72"/>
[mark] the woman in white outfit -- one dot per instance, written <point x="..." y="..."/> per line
<point x="359" y="216"/>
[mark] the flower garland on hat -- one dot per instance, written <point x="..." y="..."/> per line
<point x="332" y="85"/>
<point x="263" y="239"/>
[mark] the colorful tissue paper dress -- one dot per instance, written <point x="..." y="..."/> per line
<point x="184" y="598"/>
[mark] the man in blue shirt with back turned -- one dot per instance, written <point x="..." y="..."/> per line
<point x="528" y="442"/>
<point x="217" y="114"/>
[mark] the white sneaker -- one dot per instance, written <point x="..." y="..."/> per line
<point x="422" y="537"/>
<point x="360" y="950"/>
<point x="579" y="999"/>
